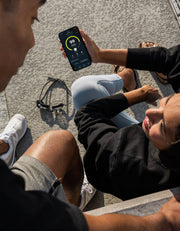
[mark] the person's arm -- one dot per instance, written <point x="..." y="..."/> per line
<point x="94" y="119"/>
<point x="167" y="219"/>
<point x="146" y="94"/>
<point x="122" y="222"/>
<point x="99" y="55"/>
<point x="158" y="59"/>
<point x="110" y="106"/>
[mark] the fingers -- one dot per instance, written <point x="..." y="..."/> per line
<point x="62" y="49"/>
<point x="92" y="48"/>
<point x="84" y="36"/>
<point x="64" y="54"/>
<point x="87" y="40"/>
<point x="158" y="94"/>
<point x="61" y="46"/>
<point x="153" y="95"/>
<point x="153" y="99"/>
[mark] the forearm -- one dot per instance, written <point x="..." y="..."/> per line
<point x="137" y="96"/>
<point x="108" y="222"/>
<point x="136" y="58"/>
<point x="113" y="56"/>
<point x="110" y="106"/>
<point x="157" y="59"/>
<point x="152" y="59"/>
<point x="107" y="107"/>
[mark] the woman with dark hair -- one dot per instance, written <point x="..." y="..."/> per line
<point x="124" y="157"/>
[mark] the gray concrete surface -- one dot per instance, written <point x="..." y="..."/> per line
<point x="112" y="24"/>
<point x="140" y="206"/>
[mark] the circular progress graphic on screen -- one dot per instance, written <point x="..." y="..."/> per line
<point x="72" y="43"/>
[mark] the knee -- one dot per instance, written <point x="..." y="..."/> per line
<point x="84" y="90"/>
<point x="79" y="88"/>
<point x="62" y="140"/>
<point x="78" y="85"/>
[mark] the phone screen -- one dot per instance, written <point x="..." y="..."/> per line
<point x="75" y="48"/>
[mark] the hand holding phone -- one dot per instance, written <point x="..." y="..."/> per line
<point x="75" y="48"/>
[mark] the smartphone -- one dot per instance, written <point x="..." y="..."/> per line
<point x="75" y="48"/>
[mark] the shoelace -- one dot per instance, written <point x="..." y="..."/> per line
<point x="14" y="133"/>
<point x="15" y="136"/>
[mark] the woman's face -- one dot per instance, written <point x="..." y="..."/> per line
<point x="160" y="124"/>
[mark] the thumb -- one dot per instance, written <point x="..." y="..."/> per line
<point x="83" y="34"/>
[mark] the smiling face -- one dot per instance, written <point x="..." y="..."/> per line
<point x="161" y="124"/>
<point x="16" y="35"/>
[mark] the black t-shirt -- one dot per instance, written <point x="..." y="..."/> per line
<point x="158" y="59"/>
<point x="34" y="210"/>
<point x="122" y="162"/>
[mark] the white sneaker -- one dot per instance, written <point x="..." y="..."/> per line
<point x="87" y="193"/>
<point x="12" y="134"/>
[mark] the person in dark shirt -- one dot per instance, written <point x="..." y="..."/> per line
<point x="34" y="209"/>
<point x="54" y="157"/>
<point x="124" y="157"/>
<point x="51" y="162"/>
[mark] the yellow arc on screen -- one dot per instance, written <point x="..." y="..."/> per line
<point x="68" y="39"/>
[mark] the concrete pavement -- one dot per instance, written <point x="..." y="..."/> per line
<point x="112" y="24"/>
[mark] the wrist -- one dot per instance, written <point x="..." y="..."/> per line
<point x="101" y="55"/>
<point x="112" y="56"/>
<point x="161" y="221"/>
<point x="156" y="222"/>
<point x="136" y="96"/>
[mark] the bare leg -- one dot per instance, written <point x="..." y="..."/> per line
<point x="4" y="147"/>
<point x="59" y="151"/>
<point x="128" y="78"/>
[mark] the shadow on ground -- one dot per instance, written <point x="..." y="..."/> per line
<point x="54" y="103"/>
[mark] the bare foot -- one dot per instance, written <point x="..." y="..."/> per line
<point x="148" y="45"/>
<point x="128" y="77"/>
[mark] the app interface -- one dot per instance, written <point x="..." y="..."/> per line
<point x="75" y="49"/>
